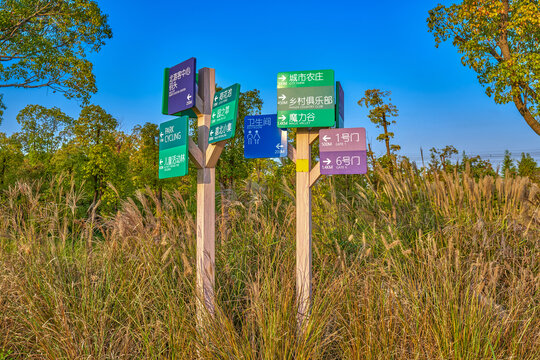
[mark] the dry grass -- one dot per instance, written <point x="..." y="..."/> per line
<point x="404" y="269"/>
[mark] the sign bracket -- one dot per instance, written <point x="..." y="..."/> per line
<point x="199" y="105"/>
<point x="314" y="174"/>
<point x="291" y="153"/>
<point x="214" y="152"/>
<point x="312" y="137"/>
<point x="195" y="154"/>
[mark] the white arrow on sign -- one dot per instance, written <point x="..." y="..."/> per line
<point x="189" y="96"/>
<point x="282" y="117"/>
<point x="160" y="161"/>
<point x="326" y="138"/>
<point x="212" y="133"/>
<point x="327" y="161"/>
<point x="282" y="97"/>
<point x="215" y="98"/>
<point x="282" y="78"/>
<point x="279" y="146"/>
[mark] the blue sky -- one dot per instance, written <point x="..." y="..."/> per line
<point x="369" y="44"/>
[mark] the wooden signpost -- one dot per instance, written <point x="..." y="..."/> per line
<point x="306" y="101"/>
<point x="306" y="177"/>
<point x="205" y="157"/>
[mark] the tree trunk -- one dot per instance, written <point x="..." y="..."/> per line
<point x="96" y="192"/>
<point x="386" y="139"/>
<point x="372" y="156"/>
<point x="505" y="51"/>
<point x="387" y="142"/>
<point x="522" y="108"/>
<point x="3" y="172"/>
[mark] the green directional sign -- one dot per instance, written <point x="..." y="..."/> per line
<point x="306" y="99"/>
<point x="173" y="148"/>
<point x="224" y="114"/>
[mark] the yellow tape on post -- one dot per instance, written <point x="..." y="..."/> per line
<point x="302" y="165"/>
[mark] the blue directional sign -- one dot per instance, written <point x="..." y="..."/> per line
<point x="179" y="87"/>
<point x="262" y="137"/>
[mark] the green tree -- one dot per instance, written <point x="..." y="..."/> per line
<point x="527" y="166"/>
<point x="43" y="131"/>
<point x="44" y="43"/>
<point x="144" y="161"/>
<point x="233" y="166"/>
<point x="11" y="158"/>
<point x="508" y="167"/>
<point x="440" y="158"/>
<point x="499" y="40"/>
<point x="95" y="137"/>
<point x="380" y="113"/>
<point x="476" y="166"/>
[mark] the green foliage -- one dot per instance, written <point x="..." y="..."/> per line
<point x="380" y="113"/>
<point x="528" y="167"/>
<point x="45" y="131"/>
<point x="144" y="161"/>
<point x="476" y="166"/>
<point x="44" y="43"/>
<point x="11" y="158"/>
<point x="440" y="159"/>
<point x="233" y="167"/>
<point x="94" y="137"/>
<point x="508" y="167"/>
<point x="499" y="40"/>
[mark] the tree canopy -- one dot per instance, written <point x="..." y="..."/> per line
<point x="500" y="40"/>
<point x="380" y="113"/>
<point x="45" y="43"/>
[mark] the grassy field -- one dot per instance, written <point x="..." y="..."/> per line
<point x="404" y="268"/>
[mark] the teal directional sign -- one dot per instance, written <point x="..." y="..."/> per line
<point x="173" y="148"/>
<point x="224" y="114"/>
<point x="306" y="99"/>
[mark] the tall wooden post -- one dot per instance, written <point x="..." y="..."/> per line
<point x="303" y="224"/>
<point x="206" y="196"/>
<point x="306" y="177"/>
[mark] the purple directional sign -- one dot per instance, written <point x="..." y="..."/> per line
<point x="343" y="151"/>
<point x="179" y="90"/>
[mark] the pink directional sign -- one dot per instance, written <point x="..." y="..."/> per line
<point x="343" y="151"/>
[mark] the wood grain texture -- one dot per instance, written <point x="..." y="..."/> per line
<point x="314" y="174"/>
<point x="199" y="105"/>
<point x="214" y="152"/>
<point x="195" y="154"/>
<point x="313" y="135"/>
<point x="206" y="201"/>
<point x="291" y="152"/>
<point x="303" y="229"/>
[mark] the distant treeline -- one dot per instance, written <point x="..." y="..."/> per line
<point x="111" y="165"/>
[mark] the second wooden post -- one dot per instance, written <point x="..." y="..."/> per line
<point x="303" y="224"/>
